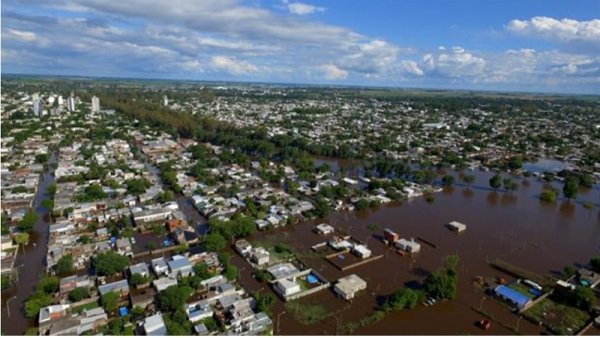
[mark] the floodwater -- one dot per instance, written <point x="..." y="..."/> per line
<point x="515" y="227"/>
<point x="30" y="264"/>
<point x="545" y="165"/>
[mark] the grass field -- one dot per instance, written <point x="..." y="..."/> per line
<point x="84" y="307"/>
<point x="308" y="313"/>
<point x="561" y="318"/>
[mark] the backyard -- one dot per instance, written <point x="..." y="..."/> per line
<point x="560" y="318"/>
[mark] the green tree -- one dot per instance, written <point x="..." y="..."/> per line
<point x="21" y="238"/>
<point x="41" y="158"/>
<point x="201" y="270"/>
<point x="569" y="271"/>
<point x="509" y="184"/>
<point x="571" y="187"/>
<point x="214" y="242"/>
<point x="231" y="272"/>
<point x="595" y="263"/>
<point x="137" y="279"/>
<point x="403" y="299"/>
<point x="515" y="163"/>
<point x="496" y="182"/>
<point x="51" y="190"/>
<point x="440" y="285"/>
<point x="448" y="180"/>
<point x="264" y="301"/>
<point x="583" y="298"/>
<point x="110" y="301"/>
<point x="92" y="192"/>
<point x="78" y="294"/>
<point x="65" y="265"/>
<point x="167" y="196"/>
<point x="5" y="283"/>
<point x="35" y="302"/>
<point x="48" y="204"/>
<point x="48" y="285"/>
<point x="137" y="186"/>
<point x="28" y="221"/>
<point x="469" y="179"/>
<point x="362" y="204"/>
<point x="548" y="196"/>
<point x="173" y="297"/>
<point x="109" y="263"/>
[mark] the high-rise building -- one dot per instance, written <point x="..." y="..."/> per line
<point x="71" y="102"/>
<point x="37" y="104"/>
<point x="61" y="101"/>
<point x="165" y="100"/>
<point x="95" y="104"/>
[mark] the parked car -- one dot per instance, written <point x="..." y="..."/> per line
<point x="484" y="323"/>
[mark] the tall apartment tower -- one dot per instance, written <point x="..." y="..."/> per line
<point x="37" y="104"/>
<point x="95" y="104"/>
<point x="71" y="102"/>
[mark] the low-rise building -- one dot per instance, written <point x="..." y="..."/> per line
<point x="154" y="325"/>
<point x="287" y="287"/>
<point x="121" y="287"/>
<point x="180" y="266"/>
<point x="348" y="286"/>
<point x="408" y="246"/>
<point x="457" y="226"/>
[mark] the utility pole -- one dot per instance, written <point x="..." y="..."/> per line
<point x="481" y="303"/>
<point x="17" y="272"/>
<point x="278" y="320"/>
<point x="8" y="305"/>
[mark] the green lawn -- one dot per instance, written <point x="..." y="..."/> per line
<point x="84" y="307"/>
<point x="307" y="314"/>
<point x="558" y="316"/>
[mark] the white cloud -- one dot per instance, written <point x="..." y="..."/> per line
<point x="300" y="8"/>
<point x="20" y="35"/>
<point x="233" y="65"/>
<point x="411" y="67"/>
<point x="564" y="30"/>
<point x="373" y="57"/>
<point x="333" y="72"/>
<point x="457" y="63"/>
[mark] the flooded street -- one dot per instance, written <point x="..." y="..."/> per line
<point x="515" y="227"/>
<point x="30" y="264"/>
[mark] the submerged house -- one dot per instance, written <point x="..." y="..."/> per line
<point x="512" y="296"/>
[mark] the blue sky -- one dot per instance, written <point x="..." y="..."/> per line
<point x="531" y="45"/>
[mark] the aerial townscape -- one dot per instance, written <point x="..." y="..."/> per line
<point x="264" y="168"/>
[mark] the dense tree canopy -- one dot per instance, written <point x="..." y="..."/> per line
<point x="109" y="263"/>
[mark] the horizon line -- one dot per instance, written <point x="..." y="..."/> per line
<point x="309" y="85"/>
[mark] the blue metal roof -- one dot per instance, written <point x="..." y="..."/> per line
<point x="519" y="299"/>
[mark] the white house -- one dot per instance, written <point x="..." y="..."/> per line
<point x="287" y="287"/>
<point x="408" y="246"/>
<point x="348" y="286"/>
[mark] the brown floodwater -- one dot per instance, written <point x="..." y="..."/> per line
<point x="30" y="264"/>
<point x="514" y="227"/>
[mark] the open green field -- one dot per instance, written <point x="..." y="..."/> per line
<point x="308" y="313"/>
<point x="562" y="319"/>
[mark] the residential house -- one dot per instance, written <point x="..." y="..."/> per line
<point x="180" y="266"/>
<point x="159" y="266"/>
<point x="121" y="287"/>
<point x="348" y="286"/>
<point x="154" y="325"/>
